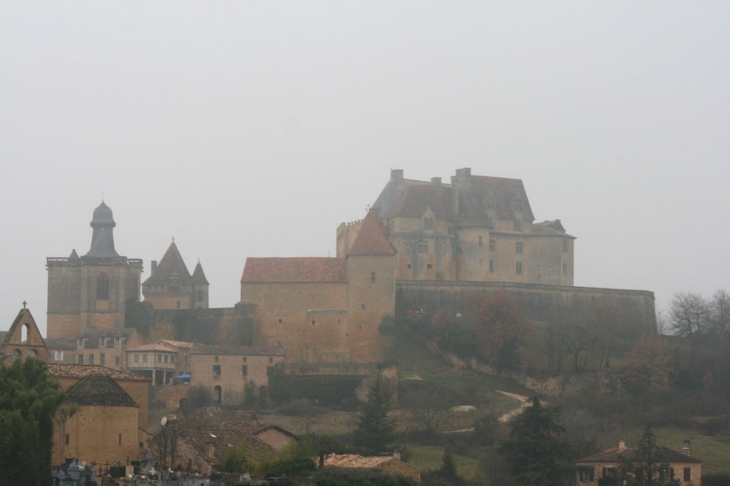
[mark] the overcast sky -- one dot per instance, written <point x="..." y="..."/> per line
<point x="253" y="129"/>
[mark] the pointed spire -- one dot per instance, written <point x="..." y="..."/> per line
<point x="170" y="265"/>
<point x="199" y="275"/>
<point x="370" y="239"/>
<point x="73" y="255"/>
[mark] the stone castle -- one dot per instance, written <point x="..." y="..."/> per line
<point x="423" y="244"/>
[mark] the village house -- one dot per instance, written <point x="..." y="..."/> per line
<point x="681" y="468"/>
<point x="94" y="346"/>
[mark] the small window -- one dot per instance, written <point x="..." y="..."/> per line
<point x="80" y="359"/>
<point x="586" y="475"/>
<point x="216" y="370"/>
<point x="362" y="307"/>
<point x="120" y="439"/>
<point x="244" y="359"/>
<point x="136" y="358"/>
<point x="245" y="370"/>
<point x="178" y="304"/>
<point x="117" y="342"/>
<point x="428" y="265"/>
<point x="200" y="296"/>
<point x="519" y="247"/>
<point x="67" y="439"/>
<point x="313" y="322"/>
<point x="58" y="355"/>
<point x="91" y="359"/>
<point x="687" y="474"/>
<point x="116" y="360"/>
<point x="481" y="240"/>
<point x="172" y="359"/>
<point x="372" y="278"/>
<point x="518" y="268"/>
<point x="428" y="224"/>
<point x="81" y="342"/>
<point x="216" y="359"/>
<point x="492" y="244"/>
<point x="280" y="321"/>
<point x="408" y="266"/>
<point x="102" y="359"/>
<point x="166" y="358"/>
<point x="565" y="269"/>
<point x="491" y="266"/>
<point x="159" y="358"/>
<point x="144" y="358"/>
<point x="271" y="360"/>
<point x="517" y="225"/>
<point x="565" y="246"/>
<point x="423" y="247"/>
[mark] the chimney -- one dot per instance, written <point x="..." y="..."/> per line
<point x="621" y="445"/>
<point x="686" y="447"/>
<point x="397" y="176"/>
<point x="435" y="181"/>
<point x="396" y="454"/>
<point x="154" y="267"/>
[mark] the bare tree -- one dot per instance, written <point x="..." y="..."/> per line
<point x="720" y="311"/>
<point x="429" y="410"/>
<point x="689" y="314"/>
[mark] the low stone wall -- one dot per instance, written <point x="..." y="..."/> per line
<point x="546" y="303"/>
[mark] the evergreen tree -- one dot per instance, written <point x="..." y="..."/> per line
<point x="648" y="459"/>
<point x="29" y="399"/>
<point x="535" y="453"/>
<point x="375" y="427"/>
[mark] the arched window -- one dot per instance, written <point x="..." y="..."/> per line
<point x="24" y="333"/>
<point x="17" y="354"/>
<point x="102" y="287"/>
<point x="218" y="393"/>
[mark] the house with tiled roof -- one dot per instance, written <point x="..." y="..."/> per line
<point x="325" y="310"/>
<point x="104" y="428"/>
<point x="622" y="462"/>
<point x="171" y="286"/>
<point x="476" y="229"/>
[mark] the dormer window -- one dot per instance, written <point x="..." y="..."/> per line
<point x="81" y="342"/>
<point x="517" y="224"/>
<point x="428" y="224"/>
<point x="117" y="342"/>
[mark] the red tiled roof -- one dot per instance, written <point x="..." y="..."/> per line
<point x="355" y="461"/>
<point x="370" y="240"/>
<point x="295" y="270"/>
<point x="617" y="454"/>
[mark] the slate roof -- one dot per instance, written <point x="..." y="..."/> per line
<point x="617" y="454"/>
<point x="63" y="344"/>
<point x="505" y="196"/>
<point x="68" y="370"/>
<point x="238" y="350"/>
<point x="370" y="240"/>
<point x="550" y="228"/>
<point x="199" y="275"/>
<point x="171" y="266"/>
<point x="392" y="193"/>
<point x="103" y="215"/>
<point x="99" y="390"/>
<point x="416" y="198"/>
<point x="295" y="270"/>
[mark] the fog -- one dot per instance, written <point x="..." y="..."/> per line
<point x="248" y="129"/>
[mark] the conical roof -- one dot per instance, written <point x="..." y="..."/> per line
<point x="370" y="240"/>
<point x="100" y="390"/>
<point x="103" y="245"/>
<point x="171" y="265"/>
<point x="199" y="275"/>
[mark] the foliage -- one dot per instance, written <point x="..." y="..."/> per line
<point x="327" y="390"/>
<point x="28" y="405"/>
<point x="448" y="472"/>
<point x="295" y="460"/>
<point x="353" y="477"/>
<point x="485" y="430"/>
<point x="375" y="426"/>
<point x="429" y="410"/>
<point x="235" y="460"/>
<point x="249" y="394"/>
<point x="164" y="445"/>
<point x="199" y="396"/>
<point x="534" y="450"/>
<point x="648" y="366"/>
<point x="647" y="459"/>
<point x="499" y="326"/>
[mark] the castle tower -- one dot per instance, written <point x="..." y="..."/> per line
<point x="371" y="289"/>
<point x="92" y="291"/>
<point x="170" y="286"/>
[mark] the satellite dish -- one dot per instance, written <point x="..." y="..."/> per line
<point x="163" y="421"/>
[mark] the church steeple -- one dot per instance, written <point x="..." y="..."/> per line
<point x="102" y="239"/>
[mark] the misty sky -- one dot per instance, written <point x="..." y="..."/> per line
<point x="253" y="129"/>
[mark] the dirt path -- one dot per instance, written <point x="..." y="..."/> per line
<point x="524" y="402"/>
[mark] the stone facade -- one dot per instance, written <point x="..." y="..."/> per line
<point x="477" y="228"/>
<point x="325" y="310"/>
<point x="170" y="285"/>
<point x="23" y="339"/>
<point x="92" y="291"/>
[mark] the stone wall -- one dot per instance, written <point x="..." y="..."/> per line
<point x="546" y="303"/>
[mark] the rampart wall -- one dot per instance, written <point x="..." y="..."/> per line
<point x="547" y="303"/>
